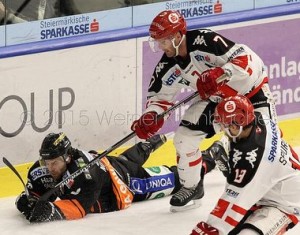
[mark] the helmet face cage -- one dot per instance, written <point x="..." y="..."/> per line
<point x="54" y="145"/>
<point x="166" y="24"/>
<point x="236" y="110"/>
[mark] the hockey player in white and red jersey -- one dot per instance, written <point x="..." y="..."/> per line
<point x="263" y="176"/>
<point x="217" y="67"/>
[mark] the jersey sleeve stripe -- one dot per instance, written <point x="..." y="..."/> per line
<point x="220" y="208"/>
<point x="239" y="209"/>
<point x="162" y="104"/>
<point x="231" y="221"/>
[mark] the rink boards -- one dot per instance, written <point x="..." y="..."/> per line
<point x="94" y="92"/>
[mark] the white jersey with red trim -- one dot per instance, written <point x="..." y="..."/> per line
<point x="206" y="49"/>
<point x="263" y="171"/>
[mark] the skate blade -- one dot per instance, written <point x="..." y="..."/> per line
<point x="191" y="205"/>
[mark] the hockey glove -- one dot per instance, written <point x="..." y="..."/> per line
<point x="45" y="211"/>
<point x="207" y="83"/>
<point x="147" y="125"/>
<point x="25" y="204"/>
<point x="208" y="163"/>
<point x="218" y="153"/>
<point x="203" y="228"/>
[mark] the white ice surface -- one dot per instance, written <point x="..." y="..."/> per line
<point x="145" y="218"/>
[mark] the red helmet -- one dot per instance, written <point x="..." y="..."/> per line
<point x="235" y="110"/>
<point x="167" y="23"/>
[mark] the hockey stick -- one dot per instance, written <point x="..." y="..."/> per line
<point x="10" y="166"/>
<point x="64" y="182"/>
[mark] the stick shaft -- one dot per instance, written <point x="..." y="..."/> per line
<point x="10" y="166"/>
<point x="110" y="149"/>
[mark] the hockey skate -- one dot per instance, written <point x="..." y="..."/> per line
<point x="187" y="198"/>
<point x="153" y="143"/>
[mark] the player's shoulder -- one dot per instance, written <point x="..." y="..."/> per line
<point x="81" y="157"/>
<point x="200" y="32"/>
<point x="208" y="41"/>
<point x="163" y="66"/>
<point x="200" y="36"/>
<point x="38" y="170"/>
<point x="161" y="71"/>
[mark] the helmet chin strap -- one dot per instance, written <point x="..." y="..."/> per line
<point x="177" y="47"/>
<point x="234" y="137"/>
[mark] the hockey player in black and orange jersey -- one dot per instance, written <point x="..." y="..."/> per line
<point x="200" y="60"/>
<point x="263" y="176"/>
<point x="111" y="185"/>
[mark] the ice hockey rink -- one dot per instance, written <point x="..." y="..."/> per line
<point x="148" y="218"/>
<point x="144" y="218"/>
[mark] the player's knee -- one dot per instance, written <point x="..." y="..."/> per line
<point x="186" y="140"/>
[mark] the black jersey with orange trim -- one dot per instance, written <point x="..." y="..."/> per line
<point x="90" y="192"/>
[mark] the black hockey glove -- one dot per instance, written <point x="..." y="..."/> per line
<point x="208" y="162"/>
<point x="218" y="153"/>
<point x="25" y="204"/>
<point x="45" y="211"/>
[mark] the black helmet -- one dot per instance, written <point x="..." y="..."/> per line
<point x="54" y="145"/>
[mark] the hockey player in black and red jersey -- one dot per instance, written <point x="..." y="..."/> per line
<point x="111" y="185"/>
<point x="263" y="176"/>
<point x="217" y="67"/>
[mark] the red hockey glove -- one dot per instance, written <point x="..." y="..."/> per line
<point x="207" y="83"/>
<point x="203" y="228"/>
<point x="147" y="125"/>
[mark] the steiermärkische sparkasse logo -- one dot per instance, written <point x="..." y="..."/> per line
<point x="190" y="9"/>
<point x="68" y="26"/>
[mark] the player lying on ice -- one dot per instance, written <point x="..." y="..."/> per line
<point x="111" y="185"/>
<point x="263" y="176"/>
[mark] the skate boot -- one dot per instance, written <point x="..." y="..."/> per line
<point x="153" y="143"/>
<point x="187" y="198"/>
